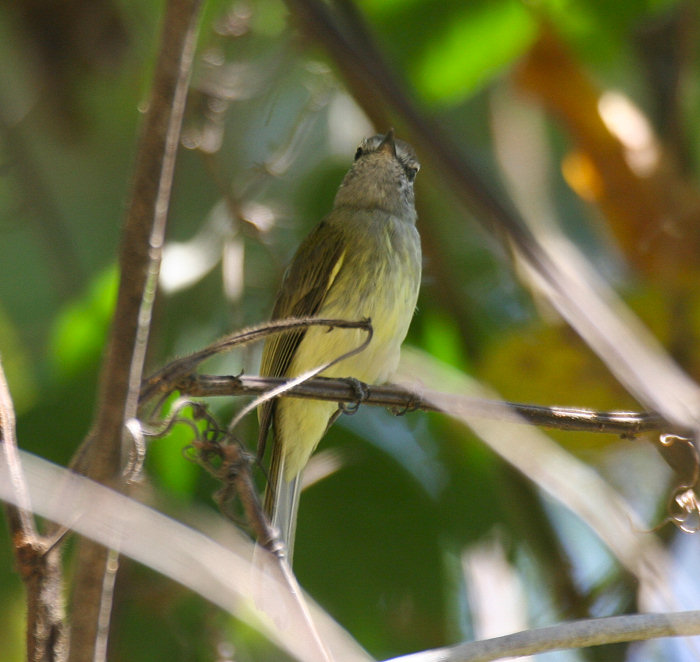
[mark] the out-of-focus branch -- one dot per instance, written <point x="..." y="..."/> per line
<point x="215" y="563"/>
<point x="373" y="82"/>
<point x="577" y="634"/>
<point x="19" y="516"/>
<point x="139" y="261"/>
<point x="649" y="206"/>
<point x="142" y="239"/>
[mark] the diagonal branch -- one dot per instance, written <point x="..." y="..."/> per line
<point x="577" y="634"/>
<point x="142" y="239"/>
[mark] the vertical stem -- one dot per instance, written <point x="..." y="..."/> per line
<point x="139" y="260"/>
<point x="38" y="565"/>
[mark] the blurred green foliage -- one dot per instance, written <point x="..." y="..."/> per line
<point x="269" y="131"/>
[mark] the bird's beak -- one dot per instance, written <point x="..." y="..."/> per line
<point x="387" y="145"/>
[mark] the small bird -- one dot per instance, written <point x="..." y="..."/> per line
<point x="363" y="261"/>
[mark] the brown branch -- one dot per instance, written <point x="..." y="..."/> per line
<point x="142" y="238"/>
<point x="179" y="375"/>
<point x="400" y="399"/>
<point x="139" y="261"/>
<point x="36" y="560"/>
<point x="163" y="382"/>
<point x="284" y="591"/>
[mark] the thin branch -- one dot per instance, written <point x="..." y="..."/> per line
<point x="235" y="473"/>
<point x="289" y="384"/>
<point x="36" y="561"/>
<point x="143" y="237"/>
<point x="139" y="260"/>
<point x="401" y="399"/>
<point x="21" y="523"/>
<point x="165" y="380"/>
<point x="577" y="634"/>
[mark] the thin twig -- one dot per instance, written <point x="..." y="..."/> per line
<point x="399" y="398"/>
<point x="20" y="518"/>
<point x="36" y="561"/>
<point x="236" y="469"/>
<point x="300" y="379"/>
<point x="165" y="380"/>
<point x="577" y="634"/>
<point x="227" y="460"/>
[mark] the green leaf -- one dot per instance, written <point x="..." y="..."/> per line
<point x="441" y="338"/>
<point x="165" y="459"/>
<point x="79" y="332"/>
<point x="472" y="48"/>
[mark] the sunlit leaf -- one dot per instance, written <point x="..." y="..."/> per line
<point x="441" y="338"/>
<point x="166" y="461"/>
<point x="473" y="47"/>
<point x="78" y="335"/>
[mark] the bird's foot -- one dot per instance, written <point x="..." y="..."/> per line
<point x="361" y="390"/>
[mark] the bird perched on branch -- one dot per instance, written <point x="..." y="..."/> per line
<point x="363" y="261"/>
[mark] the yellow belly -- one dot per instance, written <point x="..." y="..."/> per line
<point x="388" y="299"/>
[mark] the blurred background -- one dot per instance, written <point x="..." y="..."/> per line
<point x="414" y="534"/>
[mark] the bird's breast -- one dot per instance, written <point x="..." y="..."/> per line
<point x="379" y="279"/>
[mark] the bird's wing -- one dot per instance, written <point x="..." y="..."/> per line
<point x="304" y="288"/>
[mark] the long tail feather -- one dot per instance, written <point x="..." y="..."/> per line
<point x="282" y="501"/>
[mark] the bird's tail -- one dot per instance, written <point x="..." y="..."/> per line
<point x="282" y="500"/>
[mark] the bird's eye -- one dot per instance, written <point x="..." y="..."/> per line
<point x="358" y="153"/>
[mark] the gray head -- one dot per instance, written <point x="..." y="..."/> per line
<point x="381" y="177"/>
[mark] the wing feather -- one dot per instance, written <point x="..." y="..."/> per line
<point x="304" y="289"/>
